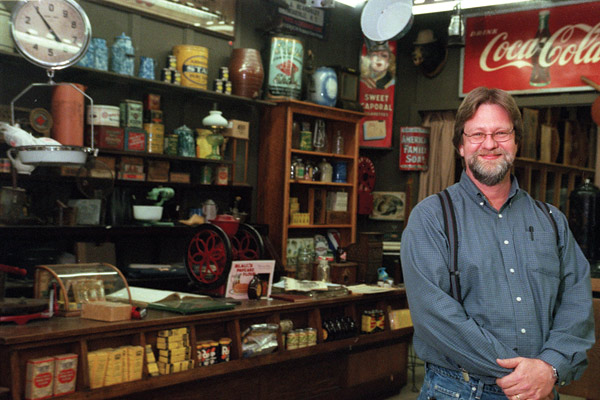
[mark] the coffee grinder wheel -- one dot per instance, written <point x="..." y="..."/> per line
<point x="247" y="244"/>
<point x="209" y="256"/>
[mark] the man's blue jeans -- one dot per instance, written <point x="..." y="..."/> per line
<point x="445" y="384"/>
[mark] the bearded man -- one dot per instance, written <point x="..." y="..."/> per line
<point x="522" y="319"/>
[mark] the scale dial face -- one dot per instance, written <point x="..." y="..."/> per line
<point x="53" y="34"/>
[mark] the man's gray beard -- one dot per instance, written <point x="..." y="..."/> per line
<point x="496" y="174"/>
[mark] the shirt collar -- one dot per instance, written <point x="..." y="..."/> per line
<point x="475" y="194"/>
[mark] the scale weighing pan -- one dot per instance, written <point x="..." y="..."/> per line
<point x="383" y="20"/>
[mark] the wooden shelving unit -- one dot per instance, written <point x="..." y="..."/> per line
<point x="279" y="146"/>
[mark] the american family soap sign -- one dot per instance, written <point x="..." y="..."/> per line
<point x="542" y="50"/>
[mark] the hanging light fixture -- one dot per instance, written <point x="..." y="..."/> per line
<point x="456" y="29"/>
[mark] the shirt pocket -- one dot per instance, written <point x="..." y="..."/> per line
<point x="542" y="253"/>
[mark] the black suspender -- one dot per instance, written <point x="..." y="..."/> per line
<point x="452" y="235"/>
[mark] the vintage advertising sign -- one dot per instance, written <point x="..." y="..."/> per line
<point x="533" y="51"/>
<point x="414" y="148"/>
<point x="303" y="18"/>
<point x="242" y="272"/>
<point x="376" y="93"/>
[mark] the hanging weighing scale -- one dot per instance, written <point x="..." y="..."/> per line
<point x="52" y="34"/>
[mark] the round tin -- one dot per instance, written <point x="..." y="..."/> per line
<point x="302" y="338"/>
<point x="292" y="340"/>
<point x="312" y="336"/>
<point x="103" y="115"/>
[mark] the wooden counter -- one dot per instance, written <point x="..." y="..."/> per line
<point x="365" y="365"/>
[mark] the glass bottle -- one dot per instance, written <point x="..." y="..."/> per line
<point x="540" y="75"/>
<point x="293" y="169"/>
<point x="319" y="135"/>
<point x="304" y="264"/>
<point x="338" y="143"/>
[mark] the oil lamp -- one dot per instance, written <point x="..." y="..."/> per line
<point x="215" y="122"/>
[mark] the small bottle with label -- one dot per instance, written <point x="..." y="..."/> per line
<point x="300" y="169"/>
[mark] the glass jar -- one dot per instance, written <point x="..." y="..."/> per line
<point x="324" y="271"/>
<point x="304" y="264"/>
<point x="326" y="171"/>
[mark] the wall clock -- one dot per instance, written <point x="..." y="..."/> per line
<point x="53" y="34"/>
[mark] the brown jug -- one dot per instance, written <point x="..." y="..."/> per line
<point x="246" y="72"/>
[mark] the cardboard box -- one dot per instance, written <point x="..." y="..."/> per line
<point x="65" y="373"/>
<point x="106" y="311"/>
<point x="39" y="381"/>
<point x="158" y="171"/>
<point x="237" y="129"/>
<point x="136" y="139"/>
<point x="179" y="177"/>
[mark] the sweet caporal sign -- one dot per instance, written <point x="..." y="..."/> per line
<point x="534" y="51"/>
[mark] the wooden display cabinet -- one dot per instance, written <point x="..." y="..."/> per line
<point x="557" y="153"/>
<point x="279" y="145"/>
<point x="329" y="369"/>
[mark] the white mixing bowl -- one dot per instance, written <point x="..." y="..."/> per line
<point x="147" y="213"/>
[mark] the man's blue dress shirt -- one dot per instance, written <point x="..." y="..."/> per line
<point x="522" y="294"/>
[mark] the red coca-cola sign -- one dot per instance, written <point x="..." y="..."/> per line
<point x="533" y="51"/>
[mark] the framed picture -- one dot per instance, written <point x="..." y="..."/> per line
<point x="388" y="206"/>
<point x="216" y="17"/>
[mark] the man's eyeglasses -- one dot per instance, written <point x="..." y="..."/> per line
<point x="479" y="137"/>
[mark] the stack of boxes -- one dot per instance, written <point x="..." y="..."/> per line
<point x="153" y="124"/>
<point x="111" y="366"/>
<point x="174" y="351"/>
<point x="131" y="119"/>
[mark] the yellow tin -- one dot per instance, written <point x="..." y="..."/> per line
<point x="192" y="63"/>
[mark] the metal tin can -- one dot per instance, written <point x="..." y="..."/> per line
<point x="224" y="349"/>
<point x="206" y="175"/>
<point x="312" y="336"/>
<point x="172" y="61"/>
<point x="224" y="73"/>
<point x="218" y="85"/>
<point x="222" y="175"/>
<point x="306" y="140"/>
<point x="103" y="115"/>
<point x="131" y="114"/>
<point x="176" y="78"/>
<point x="171" y="144"/>
<point x="302" y="338"/>
<point x="166" y="75"/>
<point x="228" y="87"/>
<point x="292" y="340"/>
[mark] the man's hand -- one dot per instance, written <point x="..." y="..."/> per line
<point x="531" y="379"/>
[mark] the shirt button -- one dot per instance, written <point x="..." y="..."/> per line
<point x="506" y="242"/>
<point x="518" y="299"/>
<point x="523" y="330"/>
<point x="512" y="270"/>
<point x="499" y="215"/>
<point x="481" y="203"/>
